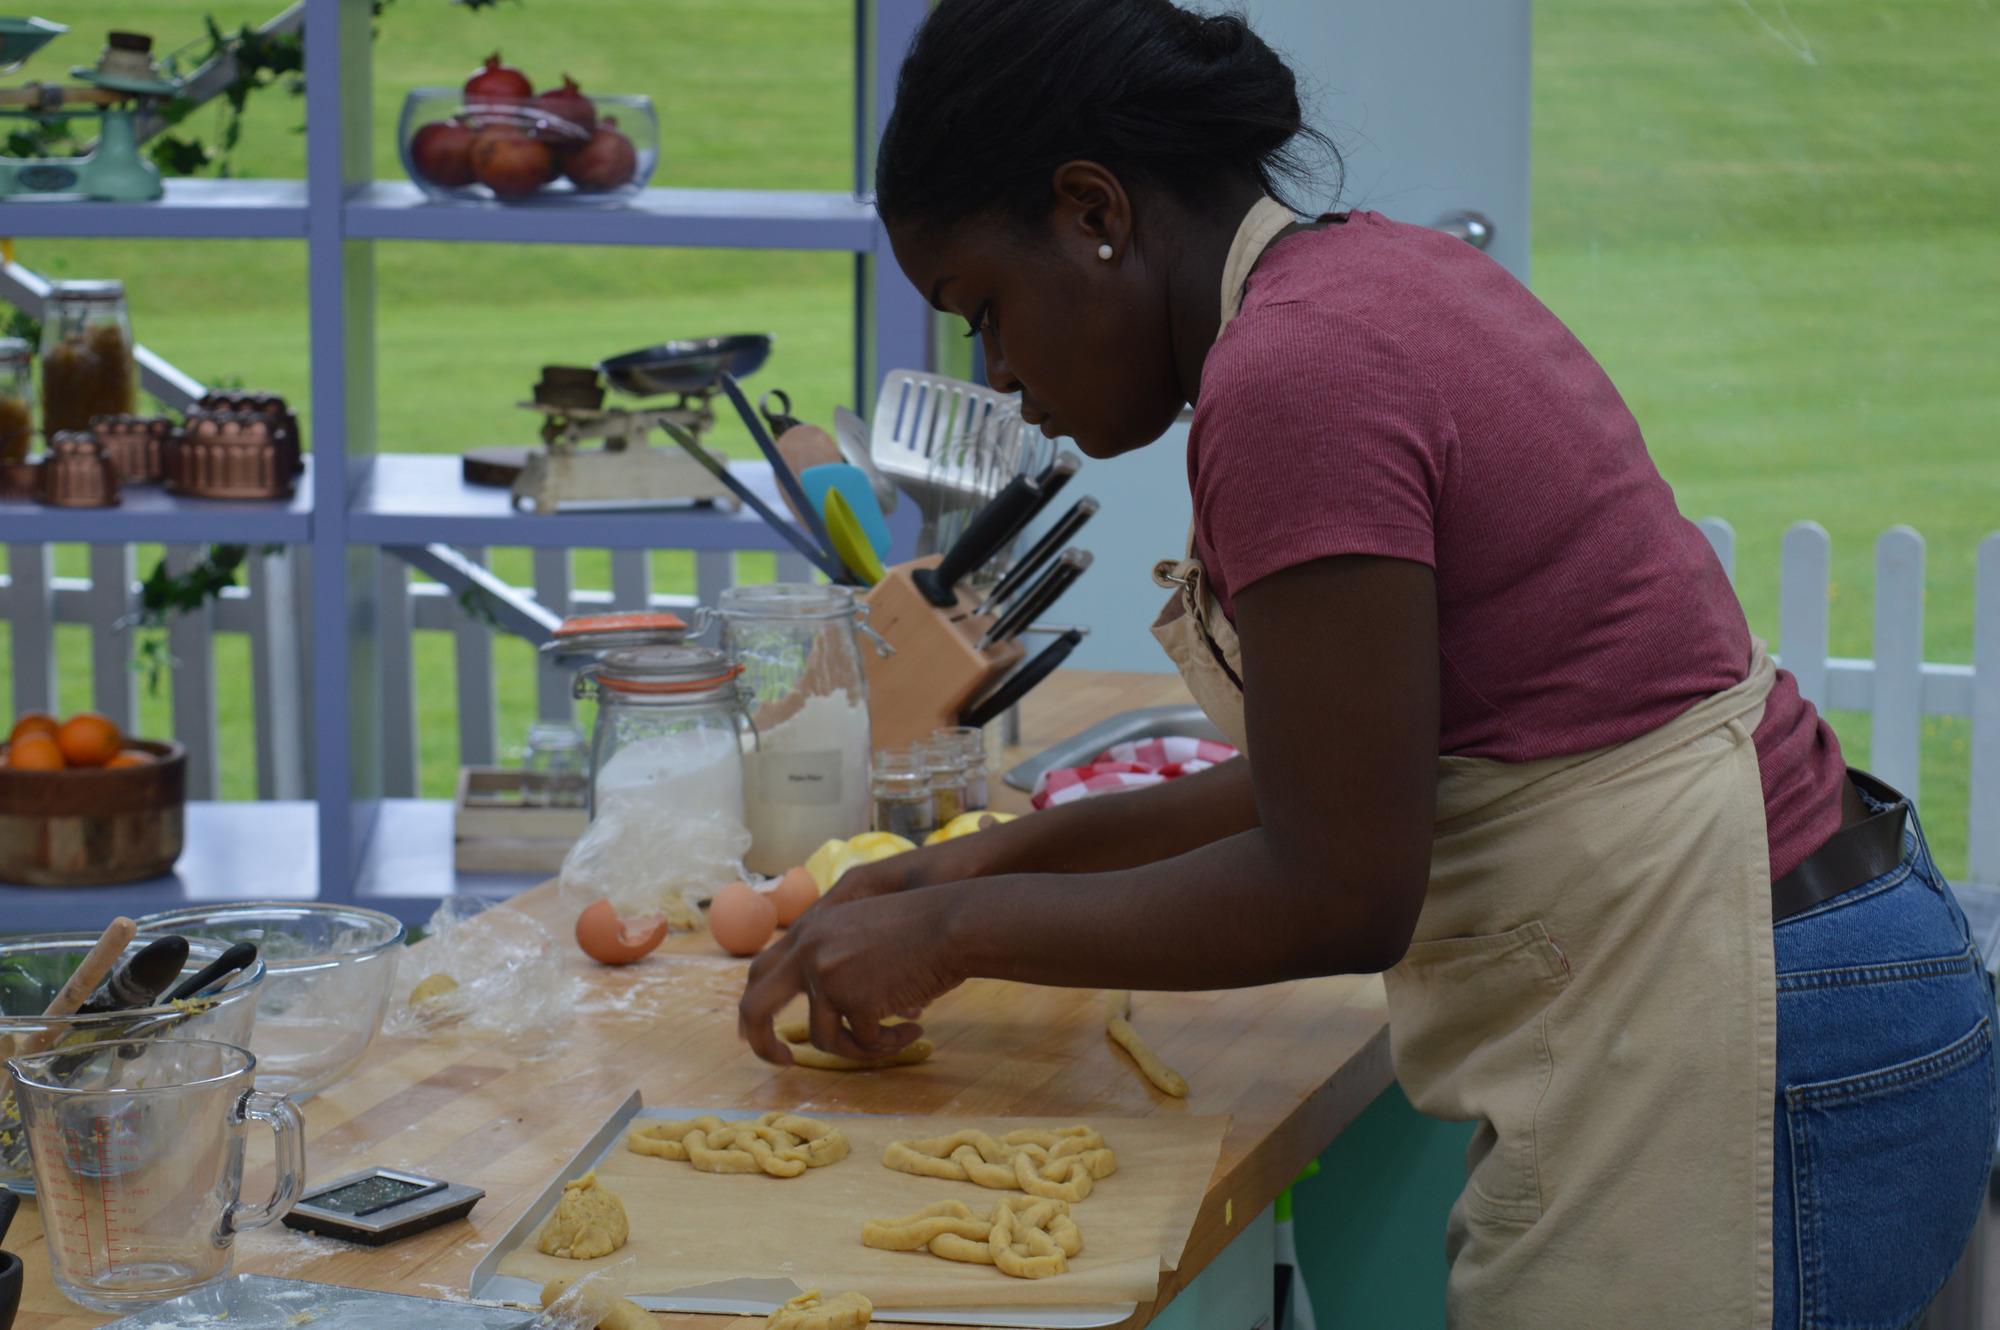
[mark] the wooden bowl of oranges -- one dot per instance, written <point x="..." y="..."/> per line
<point x="81" y="805"/>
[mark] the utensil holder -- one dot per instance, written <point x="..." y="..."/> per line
<point x="937" y="666"/>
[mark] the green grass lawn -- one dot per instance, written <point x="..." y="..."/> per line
<point x="1790" y="267"/>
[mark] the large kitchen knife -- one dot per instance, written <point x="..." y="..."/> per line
<point x="983" y="536"/>
<point x="1053" y="540"/>
<point x="1035" y="601"/>
<point x="1016" y="685"/>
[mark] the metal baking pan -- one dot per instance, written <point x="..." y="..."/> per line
<point x="1125" y="727"/>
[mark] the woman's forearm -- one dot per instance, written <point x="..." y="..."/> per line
<point x="1227" y="914"/>
<point x="1123" y="830"/>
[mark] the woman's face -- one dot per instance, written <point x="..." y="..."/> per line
<point x="1084" y="340"/>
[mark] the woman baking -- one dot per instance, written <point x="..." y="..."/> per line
<point x="1508" y="738"/>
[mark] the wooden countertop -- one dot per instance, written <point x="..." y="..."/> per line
<point x="1292" y="1064"/>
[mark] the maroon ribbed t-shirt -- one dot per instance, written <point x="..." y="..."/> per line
<point x="1389" y="390"/>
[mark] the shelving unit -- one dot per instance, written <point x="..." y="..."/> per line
<point x="351" y="843"/>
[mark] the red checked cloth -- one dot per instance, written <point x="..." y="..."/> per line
<point x="1129" y="767"/>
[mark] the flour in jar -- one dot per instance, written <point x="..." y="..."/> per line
<point x="806" y="782"/>
<point x="669" y="817"/>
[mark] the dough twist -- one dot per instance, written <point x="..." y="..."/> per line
<point x="779" y="1145"/>
<point x="849" y="1311"/>
<point x="1059" y="1165"/>
<point x="798" y="1036"/>
<point x="1026" y="1237"/>
<point x="1118" y="1025"/>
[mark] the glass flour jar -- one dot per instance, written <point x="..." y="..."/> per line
<point x="798" y="646"/>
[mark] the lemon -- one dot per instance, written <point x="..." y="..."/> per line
<point x="828" y="862"/>
<point x="873" y="845"/>
<point x="965" y="824"/>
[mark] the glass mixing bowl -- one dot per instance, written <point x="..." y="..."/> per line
<point x="32" y="971"/>
<point x="331" y="969"/>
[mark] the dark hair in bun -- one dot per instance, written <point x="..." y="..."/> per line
<point x="995" y="94"/>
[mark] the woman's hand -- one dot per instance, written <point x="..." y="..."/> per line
<point x="874" y="956"/>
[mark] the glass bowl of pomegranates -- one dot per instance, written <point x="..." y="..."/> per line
<point x="497" y="139"/>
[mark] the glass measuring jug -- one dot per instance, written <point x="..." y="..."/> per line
<point x="139" y="1163"/>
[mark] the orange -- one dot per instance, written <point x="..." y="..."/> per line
<point x="131" y="757"/>
<point x="33" y="722"/>
<point x="35" y="752"/>
<point x="89" y="740"/>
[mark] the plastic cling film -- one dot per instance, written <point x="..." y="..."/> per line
<point x="506" y="978"/>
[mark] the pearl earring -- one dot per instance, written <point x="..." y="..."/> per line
<point x="1104" y="252"/>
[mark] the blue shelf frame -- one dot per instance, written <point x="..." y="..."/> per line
<point x="355" y="498"/>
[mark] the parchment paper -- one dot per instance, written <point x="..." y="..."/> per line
<point x="691" y="1230"/>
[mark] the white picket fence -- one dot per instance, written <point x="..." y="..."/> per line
<point x="1897" y="687"/>
<point x="269" y="612"/>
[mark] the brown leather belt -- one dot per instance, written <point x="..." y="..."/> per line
<point x="1859" y="852"/>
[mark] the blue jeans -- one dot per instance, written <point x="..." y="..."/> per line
<point x="1886" y="1099"/>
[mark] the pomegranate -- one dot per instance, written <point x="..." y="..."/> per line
<point x="575" y="117"/>
<point x="510" y="161"/>
<point x="608" y="161"/>
<point x="442" y="153"/>
<point x="495" y="82"/>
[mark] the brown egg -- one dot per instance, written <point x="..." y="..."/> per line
<point x="607" y="938"/>
<point x="795" y="891"/>
<point x="741" y="918"/>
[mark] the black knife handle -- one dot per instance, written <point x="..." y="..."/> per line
<point x="982" y="536"/>
<point x="1036" y="600"/>
<point x="1047" y="485"/>
<point x="1016" y="685"/>
<point x="1043" y="550"/>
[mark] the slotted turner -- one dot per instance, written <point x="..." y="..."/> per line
<point x="933" y="436"/>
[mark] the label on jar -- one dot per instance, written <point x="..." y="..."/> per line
<point x="800" y="779"/>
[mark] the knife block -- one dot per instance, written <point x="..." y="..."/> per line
<point x="937" y="666"/>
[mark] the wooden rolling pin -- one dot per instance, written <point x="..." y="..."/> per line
<point x="96" y="965"/>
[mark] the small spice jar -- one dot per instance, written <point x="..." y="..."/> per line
<point x="971" y="741"/>
<point x="88" y="368"/>
<point x="17" y="400"/>
<point x="901" y="786"/>
<point x="945" y="762"/>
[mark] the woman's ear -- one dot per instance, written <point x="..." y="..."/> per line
<point x="1092" y="213"/>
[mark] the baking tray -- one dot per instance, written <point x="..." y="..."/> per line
<point x="1125" y="727"/>
<point x="744" y="1297"/>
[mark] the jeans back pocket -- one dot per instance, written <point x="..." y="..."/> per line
<point x="1888" y="1173"/>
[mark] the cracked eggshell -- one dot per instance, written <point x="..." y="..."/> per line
<point x="607" y="938"/>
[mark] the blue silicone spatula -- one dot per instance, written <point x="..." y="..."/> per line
<point x="852" y="484"/>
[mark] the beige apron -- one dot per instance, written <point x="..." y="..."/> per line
<point x="1591" y="982"/>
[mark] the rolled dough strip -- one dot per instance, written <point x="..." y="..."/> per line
<point x="613" y="1313"/>
<point x="920" y="1230"/>
<point x="849" y="1311"/>
<point x="798" y="1035"/>
<point x="1164" y="1078"/>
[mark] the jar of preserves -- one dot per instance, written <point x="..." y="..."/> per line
<point x="971" y="741"/>
<point x="944" y="757"/>
<point x="88" y="367"/>
<point x="901" y="785"/>
<point x="799" y="648"/>
<point x="17" y="400"/>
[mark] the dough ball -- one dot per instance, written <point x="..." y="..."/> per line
<point x="432" y="986"/>
<point x="849" y="1311"/>
<point x="612" y="1313"/>
<point x="589" y="1222"/>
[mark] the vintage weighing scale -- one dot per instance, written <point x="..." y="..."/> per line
<point x="123" y="83"/>
<point x="598" y="456"/>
